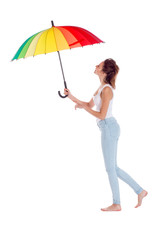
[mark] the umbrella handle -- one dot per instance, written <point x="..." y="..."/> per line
<point x="62" y="95"/>
<point x="65" y="85"/>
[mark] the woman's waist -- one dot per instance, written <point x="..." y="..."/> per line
<point x="106" y="121"/>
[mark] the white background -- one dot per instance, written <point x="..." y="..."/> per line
<point x="52" y="176"/>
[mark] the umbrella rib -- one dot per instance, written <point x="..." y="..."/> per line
<point x="55" y="39"/>
<point x="38" y="41"/>
<point x="33" y="54"/>
<point x="46" y="41"/>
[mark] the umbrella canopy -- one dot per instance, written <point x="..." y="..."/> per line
<point x="56" y="39"/>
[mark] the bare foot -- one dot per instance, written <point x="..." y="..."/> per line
<point x="113" y="207"/>
<point x="140" y="198"/>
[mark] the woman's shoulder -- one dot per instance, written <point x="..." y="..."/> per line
<point x="107" y="86"/>
<point x="100" y="89"/>
<point x="107" y="89"/>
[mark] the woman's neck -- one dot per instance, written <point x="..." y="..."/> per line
<point x="102" y="84"/>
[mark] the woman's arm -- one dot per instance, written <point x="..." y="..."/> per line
<point x="89" y="104"/>
<point x="106" y="97"/>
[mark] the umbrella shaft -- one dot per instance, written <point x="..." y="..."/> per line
<point x="62" y="69"/>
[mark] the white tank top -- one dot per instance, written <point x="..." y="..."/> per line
<point x="98" y="102"/>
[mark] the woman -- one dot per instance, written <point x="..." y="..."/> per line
<point x="110" y="130"/>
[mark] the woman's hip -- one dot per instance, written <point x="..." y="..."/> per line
<point x="109" y="127"/>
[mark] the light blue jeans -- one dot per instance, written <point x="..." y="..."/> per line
<point x="110" y="132"/>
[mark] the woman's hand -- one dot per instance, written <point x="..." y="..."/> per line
<point x="77" y="106"/>
<point x="67" y="92"/>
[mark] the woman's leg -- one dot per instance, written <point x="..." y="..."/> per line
<point x="110" y="132"/>
<point x="127" y="178"/>
<point x="132" y="183"/>
<point x="109" y="148"/>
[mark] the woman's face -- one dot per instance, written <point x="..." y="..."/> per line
<point x="99" y="68"/>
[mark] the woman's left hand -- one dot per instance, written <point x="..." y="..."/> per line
<point x="80" y="103"/>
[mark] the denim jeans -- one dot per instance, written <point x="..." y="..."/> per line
<point x="110" y="132"/>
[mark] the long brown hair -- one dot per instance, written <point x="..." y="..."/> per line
<point x="111" y="69"/>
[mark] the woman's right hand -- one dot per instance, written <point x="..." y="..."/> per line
<point x="67" y="92"/>
<point x="79" y="104"/>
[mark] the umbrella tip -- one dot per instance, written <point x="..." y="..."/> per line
<point x="52" y="23"/>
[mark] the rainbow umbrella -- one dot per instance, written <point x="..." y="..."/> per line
<point x="56" y="39"/>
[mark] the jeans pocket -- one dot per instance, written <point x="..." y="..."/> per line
<point x="101" y="124"/>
